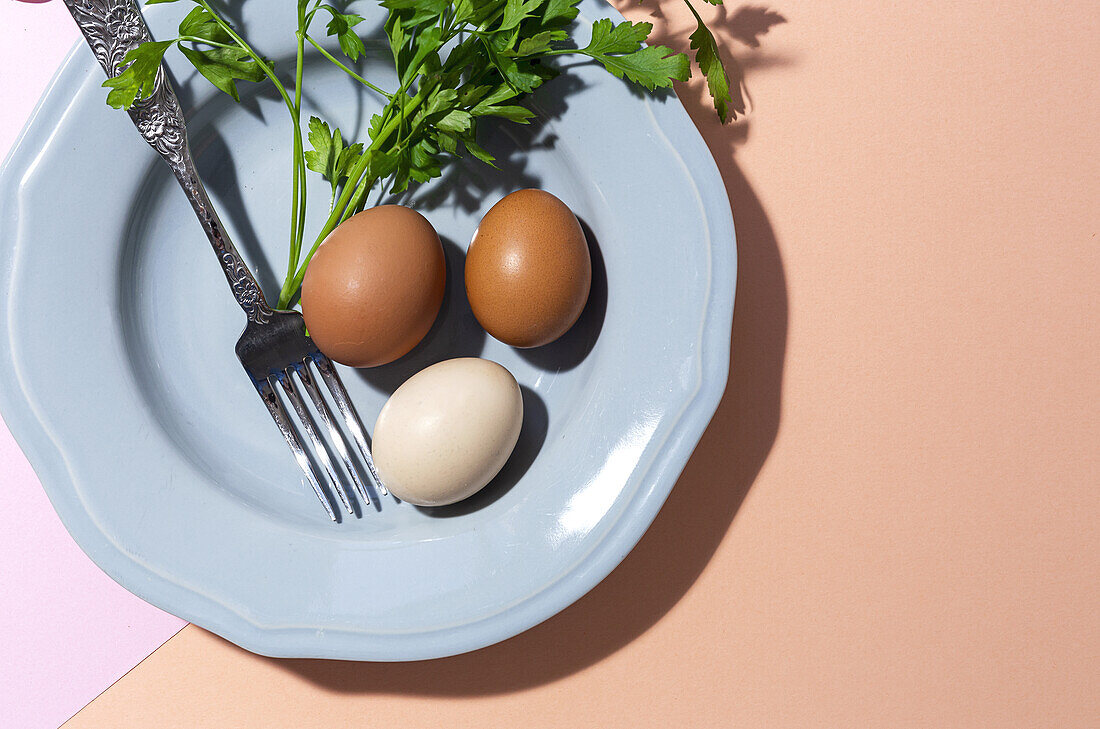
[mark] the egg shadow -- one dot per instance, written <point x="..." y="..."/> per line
<point x="455" y="332"/>
<point x="536" y="423"/>
<point x="575" y="345"/>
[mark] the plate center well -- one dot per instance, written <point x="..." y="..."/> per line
<point x="180" y="323"/>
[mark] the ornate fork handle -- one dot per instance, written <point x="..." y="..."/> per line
<point x="112" y="28"/>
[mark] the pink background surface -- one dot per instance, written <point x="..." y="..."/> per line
<point x="892" y="520"/>
<point x="66" y="630"/>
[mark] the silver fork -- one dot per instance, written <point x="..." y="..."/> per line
<point x="274" y="348"/>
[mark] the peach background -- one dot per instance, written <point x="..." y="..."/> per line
<point x="892" y="521"/>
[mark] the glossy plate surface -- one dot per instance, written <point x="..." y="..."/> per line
<point x="120" y="382"/>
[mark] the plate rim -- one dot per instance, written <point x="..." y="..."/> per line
<point x="48" y="459"/>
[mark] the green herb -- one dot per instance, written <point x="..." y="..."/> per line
<point x="329" y="157"/>
<point x="710" y="63"/>
<point x="457" y="61"/>
<point x="621" y="50"/>
<point x="141" y="71"/>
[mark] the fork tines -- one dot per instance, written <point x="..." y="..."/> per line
<point x="300" y="375"/>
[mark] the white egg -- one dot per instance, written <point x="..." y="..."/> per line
<point x="445" y="433"/>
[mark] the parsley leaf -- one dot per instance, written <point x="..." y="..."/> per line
<point x="426" y="43"/>
<point x="619" y="48"/>
<point x="478" y="152"/>
<point x="223" y="67"/>
<point x="707" y="56"/>
<point x="607" y="37"/>
<point x="329" y="157"/>
<point x="652" y="67"/>
<point x="519" y="74"/>
<point x="199" y="23"/>
<point x="516" y="11"/>
<point x="341" y="26"/>
<point x="559" y="13"/>
<point x="540" y="42"/>
<point x="137" y="80"/>
<point x="456" y="120"/>
<point x="514" y="113"/>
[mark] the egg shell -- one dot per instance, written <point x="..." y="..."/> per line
<point x="528" y="269"/>
<point x="447" y="431"/>
<point x="374" y="287"/>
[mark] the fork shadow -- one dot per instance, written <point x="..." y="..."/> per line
<point x="672" y="554"/>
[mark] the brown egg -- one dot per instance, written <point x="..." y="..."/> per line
<point x="374" y="286"/>
<point x="528" y="270"/>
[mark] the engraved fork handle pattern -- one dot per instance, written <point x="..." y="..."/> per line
<point x="112" y="28"/>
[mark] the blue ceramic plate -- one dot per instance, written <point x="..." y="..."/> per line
<point x="120" y="383"/>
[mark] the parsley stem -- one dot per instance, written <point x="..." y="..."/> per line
<point x="243" y="44"/>
<point x="297" y="191"/>
<point x="294" y="106"/>
<point x="346" y="70"/>
<point x="206" y="42"/>
<point x="298" y="171"/>
<point x="295" y="281"/>
<point x="356" y="187"/>
<point x="301" y="232"/>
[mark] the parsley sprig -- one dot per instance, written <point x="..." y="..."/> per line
<point x="458" y="62"/>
